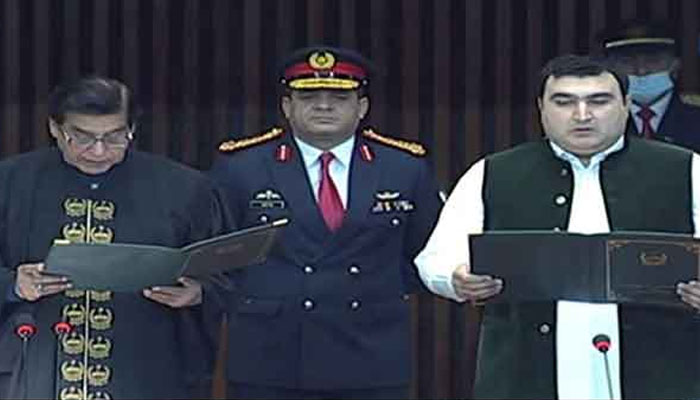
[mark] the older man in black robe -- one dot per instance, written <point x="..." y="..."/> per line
<point x="93" y="188"/>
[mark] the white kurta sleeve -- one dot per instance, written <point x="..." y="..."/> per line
<point x="448" y="245"/>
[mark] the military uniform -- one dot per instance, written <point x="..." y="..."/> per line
<point x="119" y="345"/>
<point x="327" y="311"/>
<point x="680" y="124"/>
<point x="641" y="46"/>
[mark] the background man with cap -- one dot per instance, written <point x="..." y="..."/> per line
<point x="647" y="53"/>
<point x="327" y="315"/>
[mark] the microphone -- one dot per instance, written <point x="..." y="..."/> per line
<point x="602" y="343"/>
<point x="25" y="329"/>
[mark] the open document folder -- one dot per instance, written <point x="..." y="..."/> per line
<point x="123" y="267"/>
<point x="619" y="267"/>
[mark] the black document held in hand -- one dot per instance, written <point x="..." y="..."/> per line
<point x="123" y="267"/>
<point x="619" y="267"/>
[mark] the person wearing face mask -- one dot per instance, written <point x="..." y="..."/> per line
<point x="646" y="52"/>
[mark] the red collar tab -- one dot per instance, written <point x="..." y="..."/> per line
<point x="283" y="153"/>
<point x="366" y="153"/>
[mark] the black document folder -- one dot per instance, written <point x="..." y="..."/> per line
<point x="123" y="267"/>
<point x="619" y="267"/>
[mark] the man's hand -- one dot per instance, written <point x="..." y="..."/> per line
<point x="32" y="283"/>
<point x="189" y="294"/>
<point x="474" y="287"/>
<point x="690" y="293"/>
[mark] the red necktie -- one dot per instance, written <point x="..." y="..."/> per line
<point x="328" y="198"/>
<point x="646" y="114"/>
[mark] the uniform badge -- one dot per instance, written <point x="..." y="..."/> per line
<point x="366" y="153"/>
<point x="267" y="199"/>
<point x="103" y="210"/>
<point x="74" y="232"/>
<point x="74" y="293"/>
<point x="98" y="375"/>
<point x="99" y="347"/>
<point x="75" y="207"/>
<point x="72" y="371"/>
<point x="101" y="318"/>
<point x="100" y="296"/>
<point x="71" y="393"/>
<point x="321" y="60"/>
<point x="101" y="234"/>
<point x="388" y="201"/>
<point x="99" y="395"/>
<point x="74" y="313"/>
<point x="283" y="153"/>
<point x="73" y="343"/>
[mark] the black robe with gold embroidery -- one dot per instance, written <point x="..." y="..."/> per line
<point x="136" y="348"/>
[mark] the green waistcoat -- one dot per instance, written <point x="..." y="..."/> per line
<point x="646" y="186"/>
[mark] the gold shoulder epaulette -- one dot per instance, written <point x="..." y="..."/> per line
<point x="414" y="148"/>
<point x="691" y="98"/>
<point x="238" y="144"/>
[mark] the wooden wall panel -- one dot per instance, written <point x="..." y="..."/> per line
<point x="458" y="75"/>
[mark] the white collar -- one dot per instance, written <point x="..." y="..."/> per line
<point x="342" y="152"/>
<point x="595" y="159"/>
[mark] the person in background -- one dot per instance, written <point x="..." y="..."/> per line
<point x="648" y="53"/>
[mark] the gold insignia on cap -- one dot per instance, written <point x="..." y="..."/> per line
<point x="101" y="234"/>
<point x="101" y="318"/>
<point x="98" y="375"/>
<point x="71" y="393"/>
<point x="103" y="210"/>
<point x="100" y="347"/>
<point x="100" y="296"/>
<point x="238" y="144"/>
<point x="74" y="232"/>
<point x="321" y="60"/>
<point x="74" y="313"/>
<point x="324" y="83"/>
<point x="72" y="371"/>
<point x="411" y="147"/>
<point x="73" y="343"/>
<point x="99" y="395"/>
<point x="75" y="207"/>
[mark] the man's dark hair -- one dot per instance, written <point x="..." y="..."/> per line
<point x="580" y="66"/>
<point x="92" y="96"/>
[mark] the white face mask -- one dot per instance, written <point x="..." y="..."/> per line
<point x="647" y="88"/>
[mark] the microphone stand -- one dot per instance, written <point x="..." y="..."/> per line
<point x="60" y="328"/>
<point x="25" y="329"/>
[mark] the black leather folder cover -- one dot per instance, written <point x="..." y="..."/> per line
<point x="620" y="267"/>
<point x="122" y="267"/>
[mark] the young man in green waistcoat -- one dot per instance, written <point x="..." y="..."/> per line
<point x="587" y="176"/>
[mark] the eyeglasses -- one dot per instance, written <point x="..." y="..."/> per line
<point x="118" y="138"/>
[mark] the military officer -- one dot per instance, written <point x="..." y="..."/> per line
<point x="327" y="315"/>
<point x="647" y="53"/>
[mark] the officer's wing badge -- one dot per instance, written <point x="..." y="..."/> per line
<point x="388" y="201"/>
<point x="267" y="199"/>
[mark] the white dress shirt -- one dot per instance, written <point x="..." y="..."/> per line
<point x="580" y="369"/>
<point x="659" y="108"/>
<point x="339" y="168"/>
